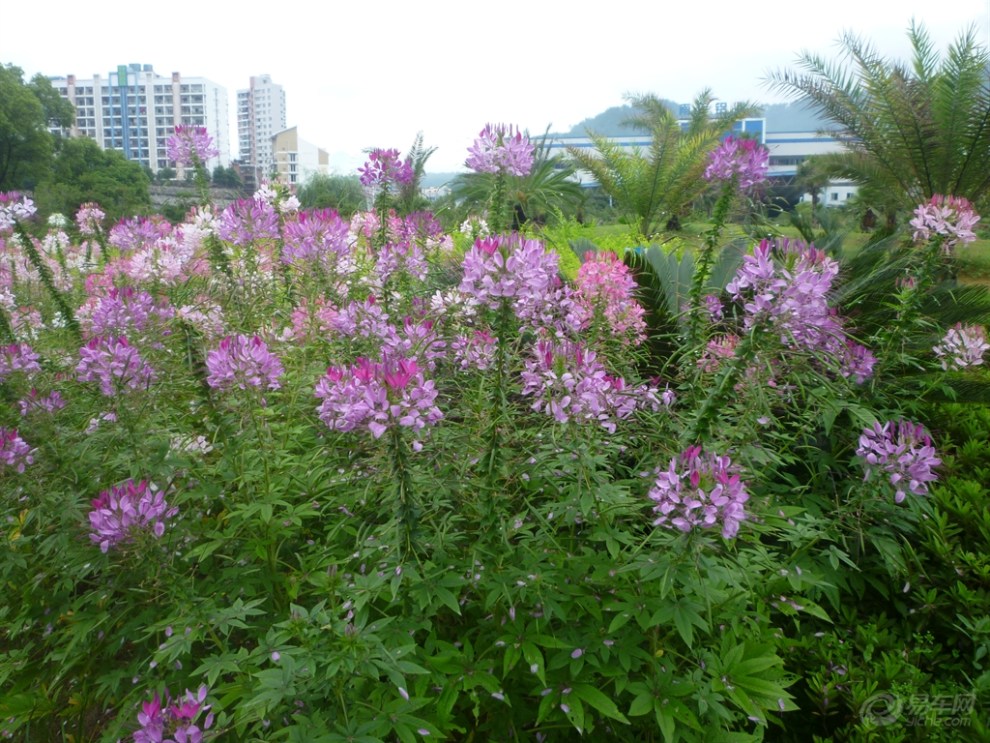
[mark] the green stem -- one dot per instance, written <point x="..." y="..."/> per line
<point x="703" y="265"/>
<point x="408" y="509"/>
<point x="723" y="388"/>
<point x="49" y="282"/>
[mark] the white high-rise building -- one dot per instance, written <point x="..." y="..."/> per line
<point x="260" y="116"/>
<point x="134" y="110"/>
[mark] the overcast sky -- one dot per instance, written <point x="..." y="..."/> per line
<point x="373" y="73"/>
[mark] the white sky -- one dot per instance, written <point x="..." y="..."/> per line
<point x="373" y="73"/>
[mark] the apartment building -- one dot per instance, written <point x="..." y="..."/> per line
<point x="135" y="110"/>
<point x="260" y="116"/>
<point x="295" y="159"/>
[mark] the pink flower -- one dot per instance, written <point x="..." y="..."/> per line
<point x="176" y="719"/>
<point x="123" y="511"/>
<point x="90" y="218"/>
<point x="904" y="451"/>
<point x="963" y="346"/>
<point x="191" y="145"/>
<point x="243" y="362"/>
<point x="951" y="218"/>
<point x="605" y="287"/>
<point x="14" y="207"/>
<point x="744" y="160"/>
<point x="501" y="149"/>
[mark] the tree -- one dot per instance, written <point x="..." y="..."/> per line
<point x="59" y="113"/>
<point x="341" y="192"/>
<point x="657" y="184"/>
<point x="26" y="146"/>
<point x="83" y="172"/>
<point x="911" y="131"/>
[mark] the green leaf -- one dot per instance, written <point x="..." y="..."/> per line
<point x="599" y="701"/>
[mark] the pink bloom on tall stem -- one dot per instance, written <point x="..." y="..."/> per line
<point x="124" y="511"/>
<point x="963" y="346"/>
<point x="605" y="285"/>
<point x="243" y="362"/>
<point x="699" y="489"/>
<point x="744" y="160"/>
<point x="950" y="217"/>
<point x="384" y="168"/>
<point x="501" y="149"/>
<point x="90" y="218"/>
<point x="14" y="451"/>
<point x="904" y="451"/>
<point x="191" y="145"/>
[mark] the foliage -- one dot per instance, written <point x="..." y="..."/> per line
<point x="657" y="184"/>
<point x="341" y="192"/>
<point x="226" y="177"/>
<point x="913" y="129"/>
<point x="83" y="172"/>
<point x="26" y="146"/>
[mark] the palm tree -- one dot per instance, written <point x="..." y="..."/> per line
<point x="410" y="198"/>
<point x="911" y="131"/>
<point x="656" y="184"/>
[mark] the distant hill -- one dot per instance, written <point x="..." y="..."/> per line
<point x="781" y="117"/>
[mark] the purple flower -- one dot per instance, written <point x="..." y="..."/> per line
<point x="501" y="149"/>
<point x="174" y="721"/>
<point x="378" y="395"/>
<point x="512" y="269"/>
<point x="950" y="217"/>
<point x="243" y="362"/>
<point x="125" y="311"/>
<point x="14" y="451"/>
<point x="569" y="383"/>
<point x="18" y="357"/>
<point x="743" y="160"/>
<point x="857" y="362"/>
<point x="246" y="221"/>
<point x="191" y="145"/>
<point x="699" y="490"/>
<point x="123" y="511"/>
<point x="316" y="237"/>
<point x="904" y="451"/>
<point x="784" y="286"/>
<point x="963" y="346"/>
<point x="475" y="351"/>
<point x="384" y="168"/>
<point x="115" y="364"/>
<point x="130" y="235"/>
<point x="33" y="402"/>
